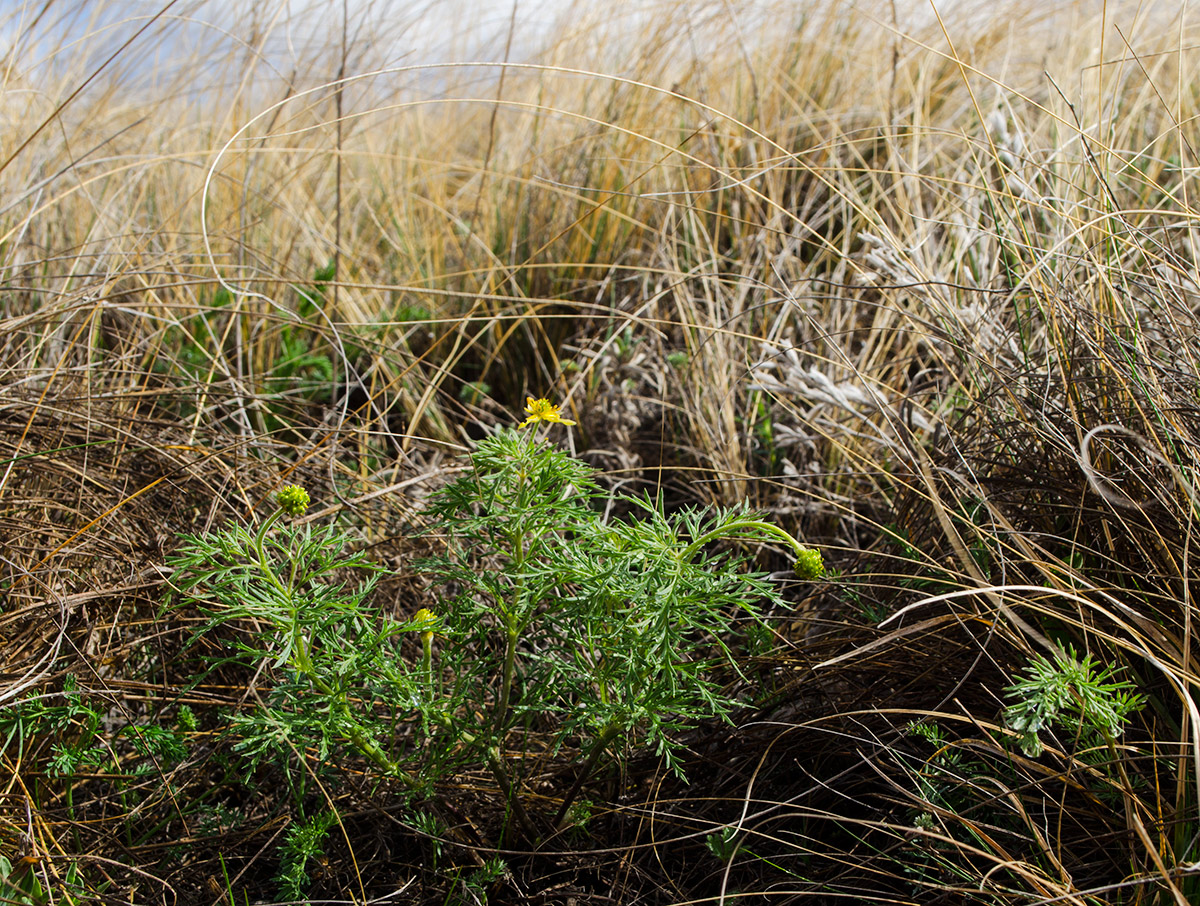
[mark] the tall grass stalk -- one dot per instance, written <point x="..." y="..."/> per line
<point x="918" y="282"/>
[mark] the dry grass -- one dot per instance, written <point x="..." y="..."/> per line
<point x="923" y="289"/>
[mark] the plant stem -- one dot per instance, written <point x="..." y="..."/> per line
<point x="730" y="529"/>
<point x="427" y="660"/>
<point x="71" y="811"/>
<point x="512" y="620"/>
<point x="364" y="743"/>
<point x="260" y="538"/>
<point x="510" y="793"/>
<point x="261" y="535"/>
<point x="510" y="658"/>
<point x="606" y="736"/>
<point x="301" y="661"/>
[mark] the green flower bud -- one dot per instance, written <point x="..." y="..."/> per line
<point x="809" y="564"/>
<point x="293" y="500"/>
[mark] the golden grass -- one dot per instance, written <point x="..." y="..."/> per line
<point x="893" y="277"/>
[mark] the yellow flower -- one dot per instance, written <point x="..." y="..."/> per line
<point x="543" y="411"/>
<point x="427" y="621"/>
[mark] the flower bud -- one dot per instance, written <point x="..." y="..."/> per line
<point x="427" y="621"/>
<point x="809" y="564"/>
<point x="292" y="499"/>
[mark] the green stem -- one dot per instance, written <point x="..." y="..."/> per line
<point x="732" y="528"/>
<point x="427" y="659"/>
<point x="510" y="793"/>
<point x="363" y="742"/>
<point x="510" y="659"/>
<point x="71" y="812"/>
<point x="606" y="736"/>
<point x="260" y="538"/>
<point x="512" y="628"/>
<point x="491" y="755"/>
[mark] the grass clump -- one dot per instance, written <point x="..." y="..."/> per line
<point x="918" y="285"/>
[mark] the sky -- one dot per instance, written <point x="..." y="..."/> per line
<point x="398" y="30"/>
<point x="208" y="44"/>
<point x="290" y="32"/>
<point x="203" y="47"/>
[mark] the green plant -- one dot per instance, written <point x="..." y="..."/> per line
<point x="763" y="425"/>
<point x="300" y="371"/>
<point x="304" y="842"/>
<point x="67" y="717"/>
<point x="555" y="621"/>
<point x="729" y="841"/>
<point x="431" y="826"/>
<point x="19" y="885"/>
<point x="480" y="881"/>
<point x="578" y="818"/>
<point x="68" y="736"/>
<point x="70" y="720"/>
<point x="586" y="629"/>
<point x="1070" y="692"/>
<point x="189" y="344"/>
<point x="473" y="391"/>
<point x="723" y="843"/>
<point x="338" y="664"/>
<point x="942" y="779"/>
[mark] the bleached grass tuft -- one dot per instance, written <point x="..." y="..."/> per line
<point x="921" y="283"/>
